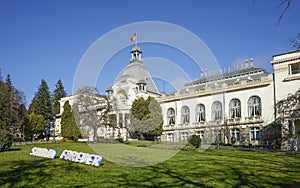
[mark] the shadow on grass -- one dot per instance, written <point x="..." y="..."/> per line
<point x="14" y="149"/>
<point x="33" y="173"/>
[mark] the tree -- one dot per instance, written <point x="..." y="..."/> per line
<point x="69" y="128"/>
<point x="15" y="101"/>
<point x="4" y="106"/>
<point x="295" y="42"/>
<point x="58" y="93"/>
<point x="88" y="110"/>
<point x="146" y="118"/>
<point x="5" y="140"/>
<point x="11" y="101"/>
<point x="41" y="102"/>
<point x="289" y="107"/>
<point x="35" y="126"/>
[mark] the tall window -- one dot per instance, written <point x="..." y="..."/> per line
<point x="200" y="113"/>
<point x="254" y="106"/>
<point x="235" y="135"/>
<point x="216" y="111"/>
<point x="170" y="137"/>
<point x="235" y="108"/>
<point x="171" y="116"/>
<point x="255" y="133"/>
<point x="185" y="115"/>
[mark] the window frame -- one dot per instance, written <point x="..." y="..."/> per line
<point x="216" y="112"/>
<point x="171" y="117"/>
<point x="200" y="113"/>
<point x="235" y="108"/>
<point x="254" y="107"/>
<point x="255" y="134"/>
<point x="185" y="115"/>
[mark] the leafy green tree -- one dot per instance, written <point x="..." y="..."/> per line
<point x="58" y="93"/>
<point x="35" y="126"/>
<point x="146" y="119"/>
<point x="69" y="128"/>
<point x="41" y="102"/>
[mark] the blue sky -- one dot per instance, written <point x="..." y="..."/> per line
<point x="46" y="39"/>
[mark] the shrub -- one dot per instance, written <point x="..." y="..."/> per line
<point x="195" y="141"/>
<point x="119" y="140"/>
<point x="5" y="140"/>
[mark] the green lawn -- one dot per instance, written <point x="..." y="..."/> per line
<point x="210" y="168"/>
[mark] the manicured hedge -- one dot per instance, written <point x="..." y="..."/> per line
<point x="195" y="141"/>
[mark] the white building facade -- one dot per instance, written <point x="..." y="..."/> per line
<point x="236" y="107"/>
<point x="233" y="107"/>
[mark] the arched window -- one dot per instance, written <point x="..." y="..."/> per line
<point x="235" y="108"/>
<point x="185" y="115"/>
<point x="254" y="106"/>
<point x="171" y="116"/>
<point x="200" y="113"/>
<point x="216" y="111"/>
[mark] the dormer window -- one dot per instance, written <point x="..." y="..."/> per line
<point x="294" y="68"/>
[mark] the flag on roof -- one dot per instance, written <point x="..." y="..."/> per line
<point x="133" y="38"/>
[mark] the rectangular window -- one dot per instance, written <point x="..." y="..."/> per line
<point x="294" y="68"/>
<point x="184" y="136"/>
<point x="235" y="135"/>
<point x="255" y="133"/>
<point x="171" y="137"/>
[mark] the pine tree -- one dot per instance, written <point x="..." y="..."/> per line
<point x="58" y="93"/>
<point x="4" y="106"/>
<point x="14" y="105"/>
<point x="41" y="102"/>
<point x="69" y="128"/>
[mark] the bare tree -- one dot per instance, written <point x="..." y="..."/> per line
<point x="88" y="110"/>
<point x="295" y="42"/>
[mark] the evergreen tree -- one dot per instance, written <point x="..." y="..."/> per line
<point x="4" y="106"/>
<point x="41" y="102"/>
<point x="58" y="93"/>
<point x="14" y="103"/>
<point x="69" y="128"/>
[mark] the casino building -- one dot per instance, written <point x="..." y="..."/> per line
<point x="235" y="107"/>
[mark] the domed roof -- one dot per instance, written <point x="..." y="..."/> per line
<point x="136" y="48"/>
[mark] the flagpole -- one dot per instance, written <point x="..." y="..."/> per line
<point x="136" y="38"/>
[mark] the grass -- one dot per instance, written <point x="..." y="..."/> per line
<point x="210" y="168"/>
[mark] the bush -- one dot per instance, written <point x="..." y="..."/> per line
<point x="119" y="140"/>
<point x="5" y="140"/>
<point x="195" y="141"/>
